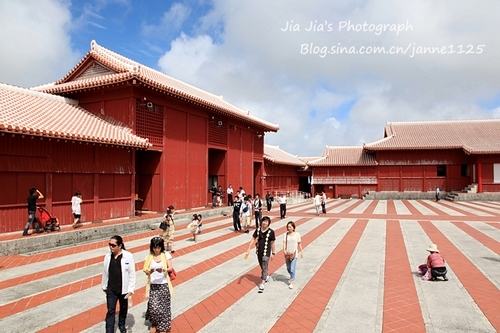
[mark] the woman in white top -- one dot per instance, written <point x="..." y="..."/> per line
<point x="292" y="245"/>
<point x="317" y="203"/>
<point x="76" y="209"/>
<point x="158" y="288"/>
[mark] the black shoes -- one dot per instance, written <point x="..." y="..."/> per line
<point x="25" y="233"/>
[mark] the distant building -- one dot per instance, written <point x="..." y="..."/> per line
<point x="284" y="172"/>
<point x="415" y="157"/>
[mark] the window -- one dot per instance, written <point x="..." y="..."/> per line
<point x="441" y="170"/>
<point x="464" y="170"/>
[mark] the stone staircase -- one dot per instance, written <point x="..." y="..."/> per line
<point x="462" y="195"/>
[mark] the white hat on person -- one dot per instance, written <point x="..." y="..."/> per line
<point x="433" y="248"/>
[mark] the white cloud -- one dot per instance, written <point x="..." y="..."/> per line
<point x="259" y="67"/>
<point x="171" y="21"/>
<point x="35" y="41"/>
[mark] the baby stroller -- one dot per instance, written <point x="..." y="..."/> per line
<point x="47" y="221"/>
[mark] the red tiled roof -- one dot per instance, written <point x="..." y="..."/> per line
<point x="473" y="136"/>
<point x="28" y="112"/>
<point x="127" y="69"/>
<point x="275" y="155"/>
<point x="344" y="156"/>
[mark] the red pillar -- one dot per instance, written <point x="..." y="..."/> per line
<point x="479" y="178"/>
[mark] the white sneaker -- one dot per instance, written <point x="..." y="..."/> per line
<point x="267" y="278"/>
<point x="290" y="286"/>
<point x="261" y="288"/>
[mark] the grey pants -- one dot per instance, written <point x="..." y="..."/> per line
<point x="264" y="264"/>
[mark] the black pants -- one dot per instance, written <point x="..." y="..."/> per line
<point x="269" y="205"/>
<point x="323" y="207"/>
<point x="438" y="271"/>
<point x="236" y="222"/>
<point x="229" y="199"/>
<point x="282" y="210"/>
<point x="111" y="299"/>
<point x="258" y="217"/>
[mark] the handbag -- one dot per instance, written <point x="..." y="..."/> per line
<point x="288" y="255"/>
<point x="172" y="275"/>
<point x="163" y="226"/>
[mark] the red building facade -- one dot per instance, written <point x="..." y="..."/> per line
<point x="190" y="139"/>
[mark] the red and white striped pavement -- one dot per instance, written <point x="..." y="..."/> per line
<point x="357" y="275"/>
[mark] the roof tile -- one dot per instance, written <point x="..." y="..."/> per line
<point x="35" y="113"/>
<point x="275" y="155"/>
<point x="127" y="69"/>
<point x="473" y="136"/>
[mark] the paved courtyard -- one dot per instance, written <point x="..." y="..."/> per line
<point x="357" y="275"/>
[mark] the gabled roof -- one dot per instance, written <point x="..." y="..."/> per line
<point x="275" y="155"/>
<point x="102" y="67"/>
<point x="23" y="111"/>
<point x="473" y="136"/>
<point x="344" y="156"/>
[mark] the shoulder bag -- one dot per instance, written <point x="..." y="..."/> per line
<point x="288" y="255"/>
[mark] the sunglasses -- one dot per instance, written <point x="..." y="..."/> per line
<point x="113" y="245"/>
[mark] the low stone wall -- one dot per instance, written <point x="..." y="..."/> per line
<point x="97" y="231"/>
<point x="477" y="196"/>
<point x="431" y="196"/>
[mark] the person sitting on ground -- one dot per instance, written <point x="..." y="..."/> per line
<point x="436" y="263"/>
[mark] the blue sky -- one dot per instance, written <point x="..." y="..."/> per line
<point x="325" y="86"/>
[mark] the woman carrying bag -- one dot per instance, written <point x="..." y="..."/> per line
<point x="159" y="290"/>
<point x="292" y="244"/>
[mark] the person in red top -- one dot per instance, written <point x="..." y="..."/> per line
<point x="436" y="263"/>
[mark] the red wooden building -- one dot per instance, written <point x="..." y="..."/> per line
<point x="51" y="143"/>
<point x="194" y="139"/>
<point x="415" y="157"/>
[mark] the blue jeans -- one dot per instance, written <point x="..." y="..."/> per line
<point x="291" y="265"/>
<point x="31" y="219"/>
<point x="111" y="299"/>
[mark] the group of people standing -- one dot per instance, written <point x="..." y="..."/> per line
<point x="244" y="208"/>
<point x="320" y="202"/>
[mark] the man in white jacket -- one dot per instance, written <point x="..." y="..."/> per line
<point x="118" y="282"/>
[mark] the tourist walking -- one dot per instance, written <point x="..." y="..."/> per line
<point x="437" y="193"/>
<point x="246" y="214"/>
<point x="282" y="202"/>
<point x="118" y="282"/>
<point x="168" y="233"/>
<point x="76" y="208"/>
<point x="237" y="214"/>
<point x="257" y="209"/>
<point x="323" y="202"/>
<point x="159" y="290"/>
<point x="33" y="197"/>
<point x="263" y="240"/>
<point x="193" y="227"/>
<point x="292" y="246"/>
<point x="317" y="202"/>
<point x="269" y="201"/>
